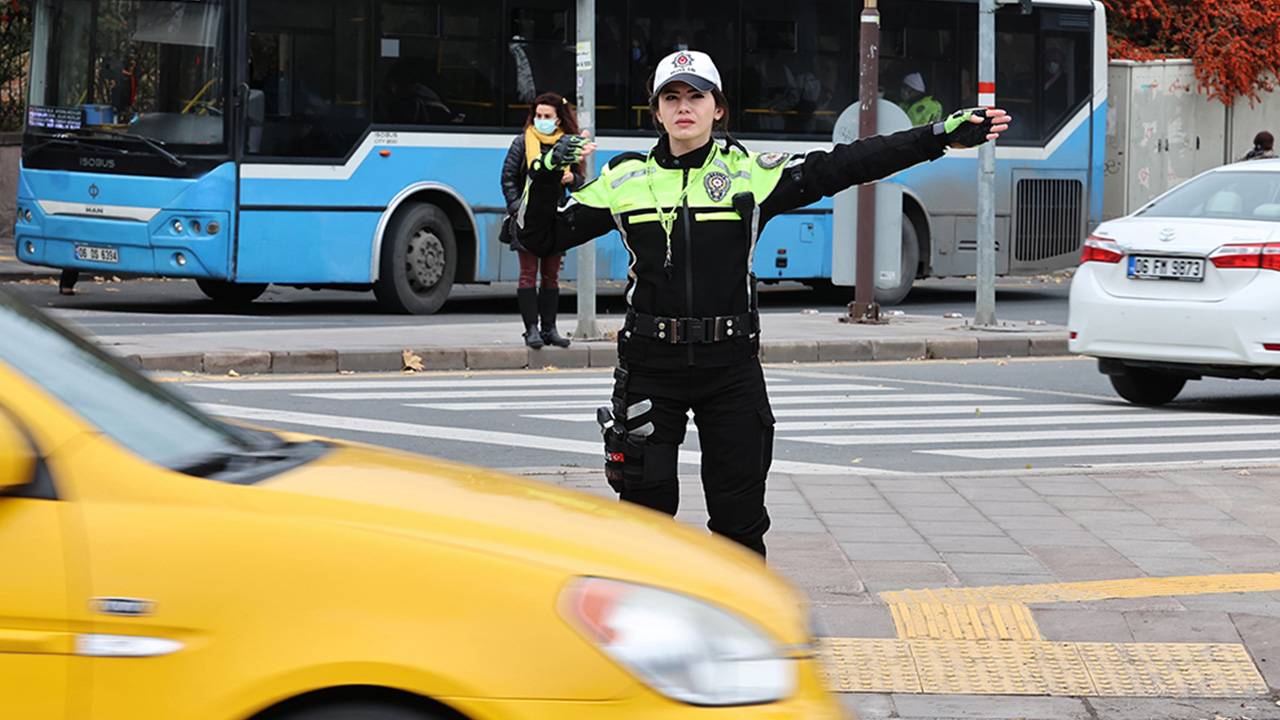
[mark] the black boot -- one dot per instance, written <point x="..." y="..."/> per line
<point x="527" y="299"/>
<point x="548" y="304"/>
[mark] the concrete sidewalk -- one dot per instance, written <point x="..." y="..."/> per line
<point x="804" y="336"/>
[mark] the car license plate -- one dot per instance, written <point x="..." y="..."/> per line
<point x="97" y="254"/>
<point x="1148" y="267"/>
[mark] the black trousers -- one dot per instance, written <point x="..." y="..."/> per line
<point x="735" y="433"/>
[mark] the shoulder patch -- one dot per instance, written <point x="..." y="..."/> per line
<point x="624" y="157"/>
<point x="771" y="160"/>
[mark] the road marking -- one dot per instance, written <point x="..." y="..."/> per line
<point x="871" y="398"/>
<point x="1254" y="428"/>
<point x="1128" y="416"/>
<point x="943" y="383"/>
<point x="527" y="391"/>
<point x="488" y="437"/>
<point x="408" y="383"/>
<point x="1007" y="453"/>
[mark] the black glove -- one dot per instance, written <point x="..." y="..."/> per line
<point x="567" y="151"/>
<point x="959" y="132"/>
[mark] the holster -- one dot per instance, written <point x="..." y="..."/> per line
<point x="618" y="453"/>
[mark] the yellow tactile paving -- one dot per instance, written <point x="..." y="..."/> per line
<point x="1095" y="590"/>
<point x="942" y="621"/>
<point x="1019" y="667"/>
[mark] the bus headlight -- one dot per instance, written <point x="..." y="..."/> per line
<point x="680" y="647"/>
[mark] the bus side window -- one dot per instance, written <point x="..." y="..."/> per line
<point x="1043" y="70"/>
<point x="920" y="45"/>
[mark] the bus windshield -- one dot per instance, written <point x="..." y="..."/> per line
<point x="149" y="69"/>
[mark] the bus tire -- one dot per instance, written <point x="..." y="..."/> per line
<point x="907" y="270"/>
<point x="419" y="261"/>
<point x="229" y="293"/>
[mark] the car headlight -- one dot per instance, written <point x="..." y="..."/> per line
<point x="683" y="648"/>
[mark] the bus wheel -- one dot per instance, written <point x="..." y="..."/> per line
<point x="906" y="271"/>
<point x="419" y="260"/>
<point x="229" y="293"/>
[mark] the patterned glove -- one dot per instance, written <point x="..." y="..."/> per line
<point x="960" y="132"/>
<point x="567" y="151"/>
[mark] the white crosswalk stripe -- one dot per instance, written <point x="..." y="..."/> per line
<point x="1032" y="435"/>
<point x="1128" y="449"/>
<point x="527" y="391"/>
<point x="802" y="400"/>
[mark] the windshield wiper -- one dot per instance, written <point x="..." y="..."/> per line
<point x="249" y="463"/>
<point x="155" y="145"/>
<point x="71" y="141"/>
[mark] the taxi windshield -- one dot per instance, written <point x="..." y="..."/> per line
<point x="121" y="403"/>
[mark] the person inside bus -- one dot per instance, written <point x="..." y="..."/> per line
<point x="549" y="119"/>
<point x="689" y="213"/>
<point x="1056" y="95"/>
<point x="921" y="108"/>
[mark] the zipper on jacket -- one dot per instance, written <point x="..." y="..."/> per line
<point x="688" y="258"/>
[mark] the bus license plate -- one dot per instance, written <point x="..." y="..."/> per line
<point x="1147" y="267"/>
<point x="97" y="254"/>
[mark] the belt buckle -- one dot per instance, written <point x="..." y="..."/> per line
<point x="696" y="330"/>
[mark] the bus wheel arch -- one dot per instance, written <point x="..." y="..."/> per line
<point x="427" y="243"/>
<point x="913" y="210"/>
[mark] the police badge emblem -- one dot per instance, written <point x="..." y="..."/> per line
<point x="717" y="185"/>
<point x="771" y="160"/>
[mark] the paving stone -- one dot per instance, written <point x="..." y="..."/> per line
<point x="853" y="505"/>
<point x="1111" y="518"/>
<point x="1190" y="510"/>
<point x="497" y="358"/>
<point x="988" y="579"/>
<point x="443" y="358"/>
<point x="244" y="363"/>
<point x="1115" y="708"/>
<point x="798" y="525"/>
<point x="897" y="349"/>
<point x="815" y="564"/>
<point x="1056" y="538"/>
<point x="889" y="551"/>
<point x="941" y="513"/>
<point x="305" y="361"/>
<point x="1067" y="486"/>
<point x="789" y="351"/>
<point x="868" y="706"/>
<point x="910" y="484"/>
<point x="1087" y="502"/>
<point x="989" y="707"/>
<point x="1239" y="548"/>
<point x="1075" y="624"/>
<point x="1043" y="523"/>
<point x="356" y="361"/>
<point x="1153" y="533"/>
<point x="1155" y="548"/>
<point x="1166" y="566"/>
<point x="783" y="496"/>
<point x="174" y="362"/>
<point x="974" y="544"/>
<point x="952" y="348"/>
<point x="847" y="534"/>
<point x="860" y="621"/>
<point x="862" y="520"/>
<point x="1262" y="638"/>
<point x="1004" y="494"/>
<point x="1133" y="483"/>
<point x="925" y="499"/>
<point x="1006" y="563"/>
<point x="1242" y="603"/>
<point x="934" y="528"/>
<point x="1182" y="627"/>
<point x="994" y="347"/>
<point x="574" y="356"/>
<point x="969" y="482"/>
<point x="792" y="511"/>
<point x="1038" y="509"/>
<point x="1084" y="563"/>
<point x="844" y="351"/>
<point x="879" y="575"/>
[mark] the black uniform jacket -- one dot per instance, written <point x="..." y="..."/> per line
<point x="722" y="196"/>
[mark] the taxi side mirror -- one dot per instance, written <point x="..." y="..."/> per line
<point x="17" y="455"/>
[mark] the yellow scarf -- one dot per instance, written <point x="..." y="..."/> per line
<point x="534" y="140"/>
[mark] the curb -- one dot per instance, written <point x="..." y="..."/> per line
<point x="586" y="355"/>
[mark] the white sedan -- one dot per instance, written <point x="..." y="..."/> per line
<point x="1186" y="287"/>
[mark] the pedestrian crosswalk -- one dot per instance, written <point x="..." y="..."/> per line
<point x="825" y="423"/>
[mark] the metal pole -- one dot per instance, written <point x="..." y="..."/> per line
<point x="864" y="308"/>
<point x="985" y="311"/>
<point x="587" y="327"/>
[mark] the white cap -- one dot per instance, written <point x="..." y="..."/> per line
<point x="687" y="66"/>
<point x="915" y="81"/>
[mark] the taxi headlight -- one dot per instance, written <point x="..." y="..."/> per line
<point x="680" y="647"/>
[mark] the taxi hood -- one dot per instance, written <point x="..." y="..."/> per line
<point x="494" y="513"/>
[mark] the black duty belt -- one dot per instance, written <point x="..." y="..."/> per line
<point x="683" y="331"/>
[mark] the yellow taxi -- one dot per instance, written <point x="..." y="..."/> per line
<point x="157" y="563"/>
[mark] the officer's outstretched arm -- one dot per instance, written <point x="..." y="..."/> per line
<point x="547" y="227"/>
<point x="806" y="178"/>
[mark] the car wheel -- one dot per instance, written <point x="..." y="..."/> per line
<point x="358" y="711"/>
<point x="1141" y="386"/>
<point x="419" y="260"/>
<point x="229" y="293"/>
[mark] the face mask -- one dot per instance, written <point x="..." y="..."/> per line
<point x="1054" y="68"/>
<point x="544" y="125"/>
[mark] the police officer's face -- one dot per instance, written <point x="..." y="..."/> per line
<point x="687" y="114"/>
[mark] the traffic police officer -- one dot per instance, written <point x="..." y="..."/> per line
<point x="689" y="214"/>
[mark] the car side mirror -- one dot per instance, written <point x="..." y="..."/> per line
<point x="17" y="455"/>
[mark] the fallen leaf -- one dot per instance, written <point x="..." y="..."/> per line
<point x="412" y="362"/>
<point x="1245" y="473"/>
<point x="855" y="461"/>
<point x="232" y="373"/>
<point x="1002" y="362"/>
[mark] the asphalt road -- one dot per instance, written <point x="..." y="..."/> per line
<point x="916" y="417"/>
<point x="165" y="306"/>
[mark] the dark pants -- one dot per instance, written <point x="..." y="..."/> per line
<point x="531" y="264"/>
<point x="735" y="432"/>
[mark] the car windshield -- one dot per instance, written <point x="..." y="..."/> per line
<point x="1222" y="195"/>
<point x="120" y="402"/>
<point x="151" y="68"/>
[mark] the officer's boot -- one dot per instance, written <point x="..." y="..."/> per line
<point x="548" y="304"/>
<point x="527" y="299"/>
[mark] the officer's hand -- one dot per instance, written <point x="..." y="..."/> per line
<point x="568" y="150"/>
<point x="972" y="127"/>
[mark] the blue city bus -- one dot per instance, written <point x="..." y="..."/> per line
<point x="357" y="143"/>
